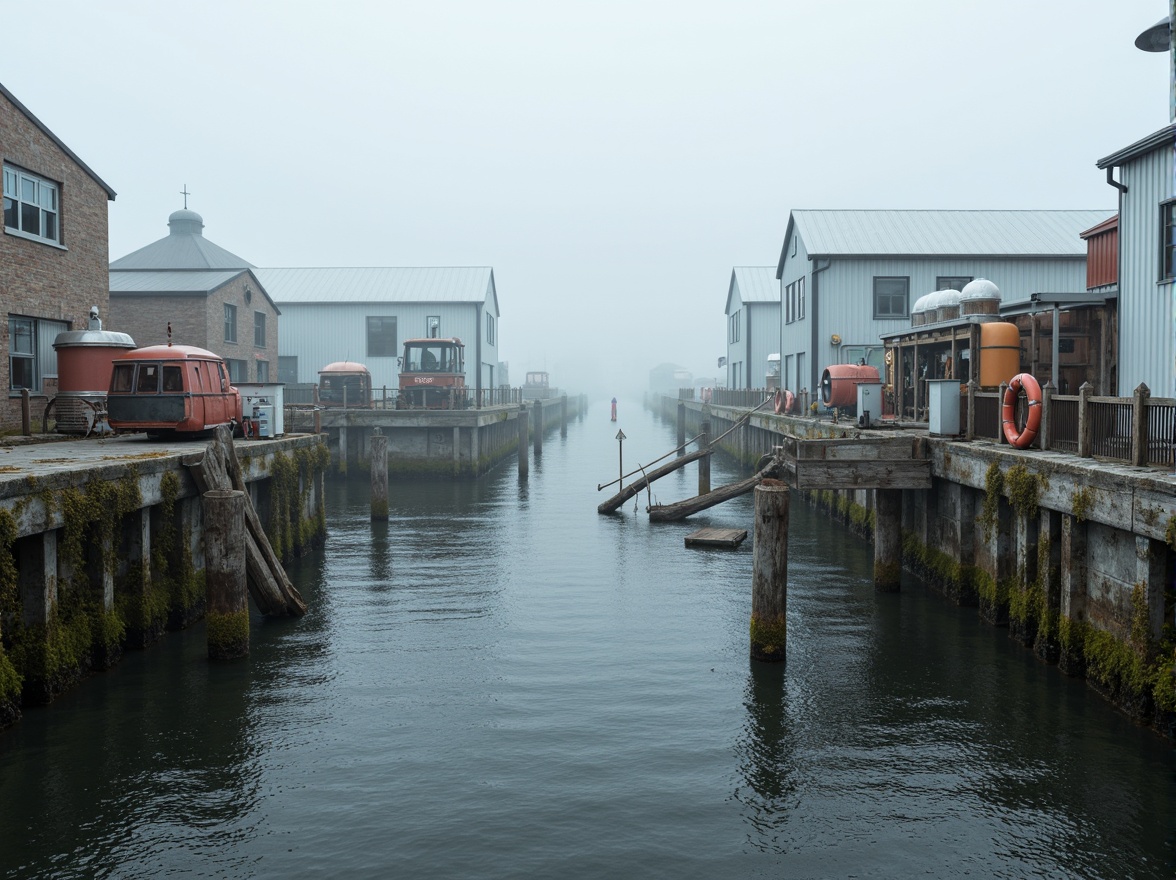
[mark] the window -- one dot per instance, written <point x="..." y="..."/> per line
<point x="31" y="356"/>
<point x="800" y="298"/>
<point x="263" y="371"/>
<point x="951" y="282"/>
<point x="794" y="301"/>
<point x="489" y="329"/>
<point x="259" y="329"/>
<point x="288" y="369"/>
<point x="733" y="328"/>
<point x="381" y="336"/>
<point x="890" y="296"/>
<point x="230" y="323"/>
<point x="238" y="370"/>
<point x="1168" y="243"/>
<point x="30" y="206"/>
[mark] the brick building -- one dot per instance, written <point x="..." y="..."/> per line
<point x="54" y="251"/>
<point x="211" y="297"/>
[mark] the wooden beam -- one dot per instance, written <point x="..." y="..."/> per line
<point x="614" y="503"/>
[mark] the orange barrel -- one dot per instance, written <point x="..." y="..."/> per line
<point x="839" y="383"/>
<point x="85" y="360"/>
<point x="1000" y="353"/>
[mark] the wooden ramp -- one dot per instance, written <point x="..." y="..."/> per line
<point x="729" y="538"/>
<point x="636" y="486"/>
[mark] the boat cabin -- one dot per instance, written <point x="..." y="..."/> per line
<point x="171" y="389"/>
<point x="346" y="384"/>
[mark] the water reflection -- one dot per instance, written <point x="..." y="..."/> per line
<point x="767" y="757"/>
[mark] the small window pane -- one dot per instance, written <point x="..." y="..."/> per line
<point x="48" y="197"/>
<point x="28" y="190"/>
<point x="51" y="226"/>
<point x="123" y="377"/>
<point x="30" y="219"/>
<point x="148" y="379"/>
<point x="173" y="379"/>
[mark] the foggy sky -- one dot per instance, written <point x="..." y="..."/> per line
<point x="611" y="160"/>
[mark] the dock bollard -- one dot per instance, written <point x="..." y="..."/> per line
<point x="769" y="575"/>
<point x="537" y="406"/>
<point x="379" y="475"/>
<point x="226" y="597"/>
<point x="524" y="441"/>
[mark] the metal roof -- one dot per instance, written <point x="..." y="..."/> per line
<point x="469" y="284"/>
<point x="757" y="284"/>
<point x="942" y="233"/>
<point x="110" y="194"/>
<point x="1162" y="138"/>
<point x="184" y="247"/>
<point x="170" y="282"/>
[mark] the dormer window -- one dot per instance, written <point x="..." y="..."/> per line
<point x="31" y="206"/>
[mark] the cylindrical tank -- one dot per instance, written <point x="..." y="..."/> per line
<point x="85" y="360"/>
<point x="839" y="383"/>
<point x="980" y="297"/>
<point x="1000" y="353"/>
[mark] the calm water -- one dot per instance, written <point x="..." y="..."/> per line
<point x="501" y="683"/>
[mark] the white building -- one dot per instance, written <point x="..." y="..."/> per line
<point x="753" y="325"/>
<point x="846" y="277"/>
<point x="365" y="315"/>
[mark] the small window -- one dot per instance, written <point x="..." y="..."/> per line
<point x="31" y="205"/>
<point x="952" y="282"/>
<point x="288" y="369"/>
<point x="1168" y="243"/>
<point x="263" y="371"/>
<point x="890" y="297"/>
<point x="489" y="329"/>
<point x="433" y="326"/>
<point x="259" y="329"/>
<point x="123" y="379"/>
<point x="148" y="382"/>
<point x="173" y="379"/>
<point x="800" y="298"/>
<point x="238" y="370"/>
<point x="381" y="336"/>
<point x="230" y="322"/>
<point x="22" y="353"/>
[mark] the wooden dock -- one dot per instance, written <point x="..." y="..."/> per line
<point x="728" y="538"/>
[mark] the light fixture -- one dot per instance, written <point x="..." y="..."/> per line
<point x="1157" y="38"/>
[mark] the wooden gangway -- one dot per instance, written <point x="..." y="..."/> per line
<point x="863" y="462"/>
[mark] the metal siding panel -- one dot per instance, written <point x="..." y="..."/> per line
<point x="765" y="339"/>
<point x="1145" y="307"/>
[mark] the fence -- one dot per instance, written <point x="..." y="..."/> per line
<point x="385" y="398"/>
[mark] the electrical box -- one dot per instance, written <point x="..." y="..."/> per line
<point x="943" y="407"/>
<point x="263" y="417"/>
<point x="869" y="404"/>
<point x="264" y="394"/>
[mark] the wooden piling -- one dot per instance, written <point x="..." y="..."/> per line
<point x="379" y="475"/>
<point x="681" y="427"/>
<point x="524" y="442"/>
<point x="769" y="577"/>
<point x="704" y="469"/>
<point x="538" y="407"/>
<point x="26" y="413"/>
<point x="563" y="416"/>
<point x="887" y="540"/>
<point x="226" y="599"/>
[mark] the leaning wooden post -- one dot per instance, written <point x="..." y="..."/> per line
<point x="704" y="476"/>
<point x="1085" y="422"/>
<point x="1139" y="426"/>
<point x="524" y="442"/>
<point x="563" y="416"/>
<point x="973" y="385"/>
<point x="1045" y="435"/>
<point x="769" y="574"/>
<point x="887" y="540"/>
<point x="26" y="413"/>
<point x="379" y="475"/>
<point x="538" y="407"/>
<point x="681" y="428"/>
<point x="225" y="593"/>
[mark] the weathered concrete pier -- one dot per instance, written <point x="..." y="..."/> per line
<point x="102" y="548"/>
<point x="462" y="443"/>
<point x="1074" y="555"/>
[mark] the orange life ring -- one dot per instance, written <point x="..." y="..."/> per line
<point x="1023" y="438"/>
<point x="778" y="403"/>
<point x="783" y="402"/>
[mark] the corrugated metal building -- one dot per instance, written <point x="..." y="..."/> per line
<point x="753" y="325"/>
<point x="1147" y="262"/>
<point x="846" y="277"/>
<point x="365" y="314"/>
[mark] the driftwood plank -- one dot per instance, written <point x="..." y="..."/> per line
<point x="682" y="509"/>
<point x="863" y="474"/>
<point x="633" y="488"/>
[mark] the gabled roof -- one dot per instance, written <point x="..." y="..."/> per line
<point x="181" y="282"/>
<point x="757" y="284"/>
<point x="990" y="234"/>
<point x="1162" y="138"/>
<point x="319" y="286"/>
<point x="171" y="282"/>
<point x="184" y="247"/>
<point x="110" y="194"/>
